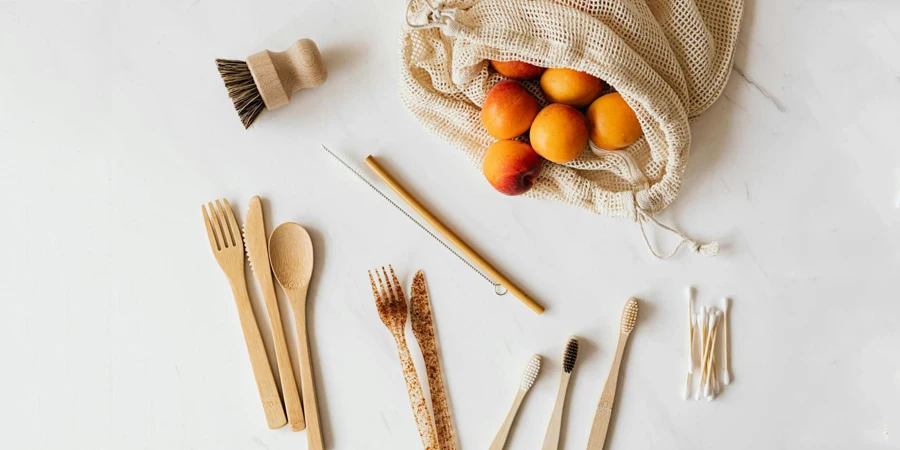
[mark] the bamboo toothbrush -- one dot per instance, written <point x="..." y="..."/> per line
<point x="551" y="439"/>
<point x="726" y="370"/>
<point x="531" y="373"/>
<point x="600" y="427"/>
<point x="268" y="79"/>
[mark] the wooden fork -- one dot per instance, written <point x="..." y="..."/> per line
<point x="392" y="308"/>
<point x="228" y="248"/>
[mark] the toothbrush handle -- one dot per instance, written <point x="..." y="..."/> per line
<point x="604" y="409"/>
<point x="500" y="440"/>
<point x="551" y="439"/>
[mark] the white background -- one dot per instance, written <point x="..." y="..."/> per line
<point x="118" y="330"/>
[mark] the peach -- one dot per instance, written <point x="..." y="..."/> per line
<point x="559" y="133"/>
<point x="508" y="110"/>
<point x="517" y="70"/>
<point x="571" y="87"/>
<point x="613" y="123"/>
<point x="511" y="166"/>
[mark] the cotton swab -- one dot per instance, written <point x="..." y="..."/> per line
<point x="701" y="324"/>
<point x="713" y="322"/>
<point x="690" y="347"/>
<point x="703" y="331"/>
<point x="690" y="343"/>
<point x="726" y="371"/>
<point x="711" y="372"/>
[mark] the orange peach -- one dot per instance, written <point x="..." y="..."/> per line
<point x="559" y="133"/>
<point x="511" y="166"/>
<point x="571" y="87"/>
<point x="517" y="70"/>
<point x="508" y="110"/>
<point x="613" y="123"/>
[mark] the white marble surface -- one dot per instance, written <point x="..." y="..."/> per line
<point x="118" y="331"/>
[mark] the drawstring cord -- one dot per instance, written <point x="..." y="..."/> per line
<point x="437" y="16"/>
<point x="710" y="249"/>
<point x="642" y="206"/>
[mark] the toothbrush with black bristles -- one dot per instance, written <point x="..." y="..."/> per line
<point x="551" y="439"/>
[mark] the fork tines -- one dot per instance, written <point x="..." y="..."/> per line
<point x="390" y="301"/>
<point x="222" y="229"/>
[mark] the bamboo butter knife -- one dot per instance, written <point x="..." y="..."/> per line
<point x="258" y="253"/>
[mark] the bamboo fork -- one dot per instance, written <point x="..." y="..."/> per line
<point x="392" y="309"/>
<point x="228" y="248"/>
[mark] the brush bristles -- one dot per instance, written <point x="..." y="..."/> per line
<point x="570" y="355"/>
<point x="241" y="89"/>
<point x="531" y="373"/>
<point x="629" y="315"/>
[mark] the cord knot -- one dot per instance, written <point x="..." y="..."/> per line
<point x="711" y="249"/>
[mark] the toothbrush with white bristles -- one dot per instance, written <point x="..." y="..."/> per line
<point x="531" y="373"/>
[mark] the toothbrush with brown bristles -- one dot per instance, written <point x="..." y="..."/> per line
<point x="551" y="439"/>
<point x="604" y="409"/>
<point x="531" y="373"/>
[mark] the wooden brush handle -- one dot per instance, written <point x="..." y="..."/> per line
<point x="503" y="433"/>
<point x="265" y="380"/>
<point x="279" y="74"/>
<point x="600" y="427"/>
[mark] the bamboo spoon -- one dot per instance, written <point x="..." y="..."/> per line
<point x="600" y="427"/>
<point x="531" y="373"/>
<point x="291" y="254"/>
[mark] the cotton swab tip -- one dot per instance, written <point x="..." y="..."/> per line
<point x="726" y="376"/>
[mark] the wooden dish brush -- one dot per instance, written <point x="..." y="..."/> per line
<point x="268" y="79"/>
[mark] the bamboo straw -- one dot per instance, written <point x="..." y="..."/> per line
<point x="451" y="236"/>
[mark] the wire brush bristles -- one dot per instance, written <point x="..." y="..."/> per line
<point x="242" y="89"/>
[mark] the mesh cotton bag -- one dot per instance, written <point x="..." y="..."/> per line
<point x="670" y="59"/>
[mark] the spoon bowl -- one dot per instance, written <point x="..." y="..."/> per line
<point x="291" y="254"/>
